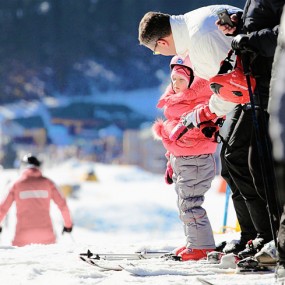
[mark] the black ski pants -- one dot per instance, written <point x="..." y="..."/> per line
<point x="248" y="231"/>
<point x="280" y="173"/>
<point x="241" y="169"/>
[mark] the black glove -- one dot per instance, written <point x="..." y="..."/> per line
<point x="240" y="42"/>
<point x="209" y="131"/>
<point x="67" y="230"/>
<point x="208" y="128"/>
<point x="0" y="229"/>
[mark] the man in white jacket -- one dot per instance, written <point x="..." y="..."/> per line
<point x="196" y="34"/>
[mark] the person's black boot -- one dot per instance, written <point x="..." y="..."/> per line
<point x="220" y="246"/>
<point x="235" y="246"/>
<point x="252" y="247"/>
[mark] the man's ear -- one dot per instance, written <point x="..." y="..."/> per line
<point x="167" y="46"/>
<point x="163" y="42"/>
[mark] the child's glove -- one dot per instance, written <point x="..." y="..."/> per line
<point x="198" y="116"/>
<point x="192" y="120"/>
<point x="178" y="131"/>
<point x="168" y="174"/>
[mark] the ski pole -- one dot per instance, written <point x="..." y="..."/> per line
<point x="71" y="236"/>
<point x="228" y="194"/>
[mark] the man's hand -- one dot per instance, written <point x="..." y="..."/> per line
<point x="227" y="29"/>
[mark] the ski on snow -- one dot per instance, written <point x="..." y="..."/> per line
<point x="204" y="281"/>
<point x="155" y="270"/>
<point x="142" y="265"/>
<point x="149" y="263"/>
<point x="104" y="261"/>
<point x="182" y="269"/>
<point x="128" y="256"/>
<point x="102" y="266"/>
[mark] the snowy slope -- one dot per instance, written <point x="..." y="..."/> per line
<point x="127" y="210"/>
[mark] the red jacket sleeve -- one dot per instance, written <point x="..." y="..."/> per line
<point x="6" y="203"/>
<point x="60" y="201"/>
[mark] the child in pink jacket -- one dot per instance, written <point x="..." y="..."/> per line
<point x="32" y="194"/>
<point x="191" y="164"/>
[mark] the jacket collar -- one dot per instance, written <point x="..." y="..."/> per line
<point x="32" y="171"/>
<point x="171" y="98"/>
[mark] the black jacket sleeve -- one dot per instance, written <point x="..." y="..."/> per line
<point x="261" y="23"/>
<point x="264" y="42"/>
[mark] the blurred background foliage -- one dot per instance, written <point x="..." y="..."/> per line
<point x="75" y="47"/>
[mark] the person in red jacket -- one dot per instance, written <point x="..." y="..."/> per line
<point x="32" y="193"/>
<point x="191" y="164"/>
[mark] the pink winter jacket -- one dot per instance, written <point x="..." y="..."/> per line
<point x="194" y="141"/>
<point x="32" y="193"/>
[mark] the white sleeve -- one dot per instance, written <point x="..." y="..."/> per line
<point x="219" y="106"/>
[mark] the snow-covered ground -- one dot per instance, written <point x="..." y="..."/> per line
<point x="126" y="210"/>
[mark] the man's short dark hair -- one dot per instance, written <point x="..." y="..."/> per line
<point x="154" y="26"/>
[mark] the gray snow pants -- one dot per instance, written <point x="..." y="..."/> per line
<point x="193" y="176"/>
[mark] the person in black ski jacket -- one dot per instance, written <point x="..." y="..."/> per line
<point x="246" y="155"/>
<point x="277" y="133"/>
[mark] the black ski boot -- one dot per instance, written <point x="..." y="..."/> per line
<point x="235" y="246"/>
<point x="250" y="264"/>
<point x="252" y="247"/>
<point x="220" y="246"/>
